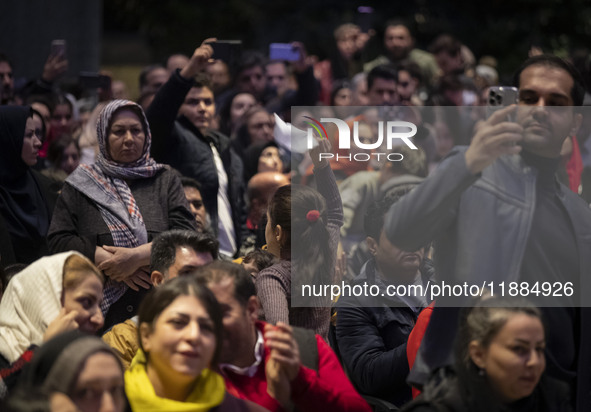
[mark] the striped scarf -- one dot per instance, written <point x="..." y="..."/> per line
<point x="104" y="183"/>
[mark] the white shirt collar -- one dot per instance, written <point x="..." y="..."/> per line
<point x="250" y="371"/>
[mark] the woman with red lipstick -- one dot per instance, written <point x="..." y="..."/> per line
<point x="26" y="200"/>
<point x="180" y="333"/>
<point x="500" y="360"/>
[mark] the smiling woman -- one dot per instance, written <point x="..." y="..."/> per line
<point x="180" y="331"/>
<point x="68" y="290"/>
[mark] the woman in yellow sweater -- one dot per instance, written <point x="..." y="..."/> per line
<point x="180" y="330"/>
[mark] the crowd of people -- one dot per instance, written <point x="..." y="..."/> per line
<point x="152" y="251"/>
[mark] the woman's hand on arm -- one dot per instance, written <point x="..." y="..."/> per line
<point x="125" y="262"/>
<point x="141" y="278"/>
<point x="101" y="255"/>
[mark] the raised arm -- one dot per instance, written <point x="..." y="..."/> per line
<point x="164" y="108"/>
<point x="427" y="211"/>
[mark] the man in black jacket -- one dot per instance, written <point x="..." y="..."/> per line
<point x="188" y="144"/>
<point x="372" y="328"/>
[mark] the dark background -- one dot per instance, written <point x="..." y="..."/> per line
<point x="137" y="32"/>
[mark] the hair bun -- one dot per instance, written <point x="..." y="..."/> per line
<point x="313" y="215"/>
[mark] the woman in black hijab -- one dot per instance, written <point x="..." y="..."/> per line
<point x="26" y="202"/>
<point x="262" y="157"/>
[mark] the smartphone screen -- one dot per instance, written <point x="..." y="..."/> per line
<point x="58" y="48"/>
<point x="283" y="51"/>
<point x="226" y="50"/>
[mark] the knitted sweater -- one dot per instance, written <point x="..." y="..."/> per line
<point x="274" y="283"/>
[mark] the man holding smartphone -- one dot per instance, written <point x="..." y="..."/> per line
<point x="181" y="119"/>
<point x="499" y="215"/>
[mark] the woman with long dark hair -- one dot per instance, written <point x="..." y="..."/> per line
<point x="303" y="232"/>
<point x="499" y="366"/>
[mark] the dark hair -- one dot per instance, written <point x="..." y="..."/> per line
<point x="399" y="22"/>
<point x="413" y="69"/>
<point x="279" y="209"/>
<point x="243" y="138"/>
<point x="158" y="299"/>
<point x="55" y="153"/>
<point x="450" y="82"/>
<point x="337" y="86"/>
<point x="261" y="258"/>
<point x="3" y="281"/>
<point x="13" y="269"/>
<point x="251" y="158"/>
<point x="144" y="97"/>
<point x="217" y="271"/>
<point x="165" y="245"/>
<point x="190" y="182"/>
<point x="374" y="216"/>
<point x="276" y="61"/>
<point x="61" y="99"/>
<point x="577" y="92"/>
<point x="383" y="71"/>
<point x="446" y="43"/>
<point x="146" y="71"/>
<point x="201" y="80"/>
<point x="248" y="60"/>
<point x="482" y="323"/>
<point x="289" y="208"/>
<point x="43" y="125"/>
<point x="4" y="59"/>
<point x="485" y="319"/>
<point x="226" y="113"/>
<point x="39" y="98"/>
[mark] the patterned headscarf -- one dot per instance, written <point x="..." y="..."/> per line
<point x="104" y="183"/>
<point x="143" y="167"/>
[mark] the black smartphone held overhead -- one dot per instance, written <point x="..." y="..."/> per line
<point x="226" y="50"/>
<point x="364" y="18"/>
<point x="283" y="51"/>
<point x="499" y="97"/>
<point x="58" y="48"/>
<point x="91" y="80"/>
